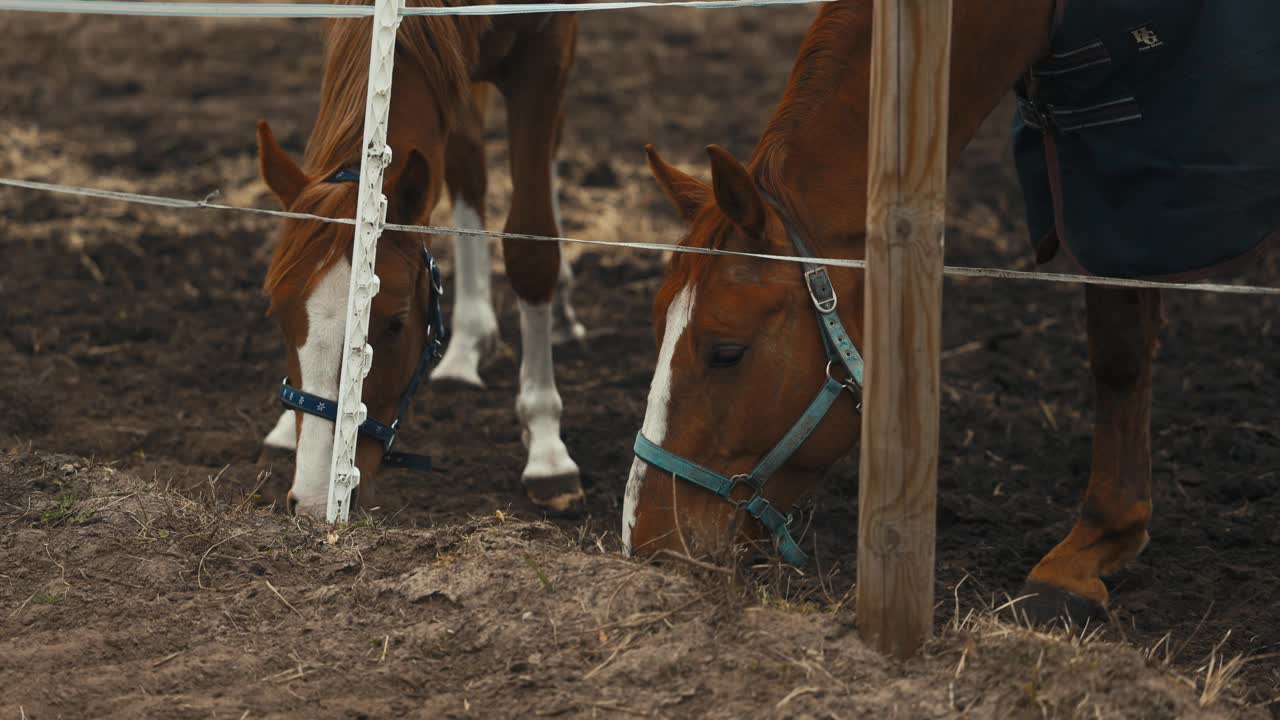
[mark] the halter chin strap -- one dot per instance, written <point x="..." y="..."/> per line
<point x="437" y="336"/>
<point x="841" y="352"/>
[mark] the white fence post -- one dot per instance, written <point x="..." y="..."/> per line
<point x="371" y="213"/>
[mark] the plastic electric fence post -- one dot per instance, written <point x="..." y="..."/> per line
<point x="906" y="212"/>
<point x="371" y="214"/>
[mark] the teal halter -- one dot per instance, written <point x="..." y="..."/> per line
<point x="841" y="353"/>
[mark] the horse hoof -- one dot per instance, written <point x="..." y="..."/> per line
<point x="557" y="494"/>
<point x="576" y="333"/>
<point x="269" y="454"/>
<point x="1045" y="604"/>
<point x="456" y="381"/>
<point x="284" y="435"/>
<point x="460" y="366"/>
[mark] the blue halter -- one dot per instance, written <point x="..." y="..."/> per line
<point x="437" y="336"/>
<point x="841" y="353"/>
<point x="344" y="174"/>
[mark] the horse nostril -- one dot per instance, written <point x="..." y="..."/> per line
<point x="291" y="503"/>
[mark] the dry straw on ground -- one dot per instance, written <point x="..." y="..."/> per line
<point x="123" y="599"/>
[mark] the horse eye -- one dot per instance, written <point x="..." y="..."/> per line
<point x="726" y="355"/>
<point x="395" y="325"/>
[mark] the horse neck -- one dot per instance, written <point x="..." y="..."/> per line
<point x="815" y="148"/>
<point x="435" y="56"/>
<point x="418" y="122"/>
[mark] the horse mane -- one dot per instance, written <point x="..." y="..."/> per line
<point x="819" y="70"/>
<point x="314" y="244"/>
<point x="441" y="49"/>
<point x="438" y="51"/>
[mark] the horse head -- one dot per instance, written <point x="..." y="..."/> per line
<point x="308" y="282"/>
<point x="731" y="438"/>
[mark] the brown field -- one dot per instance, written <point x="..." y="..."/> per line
<point x="138" y="578"/>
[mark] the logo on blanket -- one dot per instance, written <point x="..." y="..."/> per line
<point x="1146" y="38"/>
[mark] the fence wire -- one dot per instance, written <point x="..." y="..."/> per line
<point x="307" y="10"/>
<point x="210" y="203"/>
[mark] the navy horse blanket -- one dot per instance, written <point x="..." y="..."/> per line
<point x="1148" y="141"/>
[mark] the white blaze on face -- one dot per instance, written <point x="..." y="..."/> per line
<point x="320" y="358"/>
<point x="655" y="414"/>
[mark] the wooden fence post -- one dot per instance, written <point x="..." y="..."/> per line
<point x="906" y="214"/>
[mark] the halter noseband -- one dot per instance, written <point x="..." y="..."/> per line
<point x="437" y="336"/>
<point x="841" y="352"/>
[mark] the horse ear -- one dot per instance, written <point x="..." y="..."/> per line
<point x="409" y="189"/>
<point x="278" y="170"/>
<point x="735" y="191"/>
<point x="686" y="192"/>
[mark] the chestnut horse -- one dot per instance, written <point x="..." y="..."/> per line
<point x="443" y="68"/>
<point x="741" y="354"/>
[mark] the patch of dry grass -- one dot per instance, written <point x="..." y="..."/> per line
<point x="498" y="617"/>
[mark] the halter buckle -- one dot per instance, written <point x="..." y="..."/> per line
<point x="743" y="478"/>
<point x="434" y="270"/>
<point x="847" y="382"/>
<point x="821" y="292"/>
<point x="395" y="431"/>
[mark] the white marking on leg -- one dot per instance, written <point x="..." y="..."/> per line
<point x="655" y="413"/>
<point x="566" y="322"/>
<point x="285" y="434"/>
<point x="538" y="405"/>
<point x="567" y="325"/>
<point x="474" y="323"/>
<point x="320" y="359"/>
<point x="555" y="194"/>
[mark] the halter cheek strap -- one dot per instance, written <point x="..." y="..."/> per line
<point x="841" y="352"/>
<point x="437" y="336"/>
<point x="822" y="293"/>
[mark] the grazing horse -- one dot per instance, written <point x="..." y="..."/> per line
<point x="443" y="67"/>
<point x="732" y="435"/>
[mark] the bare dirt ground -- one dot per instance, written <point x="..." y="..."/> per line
<point x="138" y="337"/>
<point x="131" y="601"/>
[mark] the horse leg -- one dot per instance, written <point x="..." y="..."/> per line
<point x="1123" y="328"/>
<point x="566" y="326"/>
<point x="284" y="436"/>
<point x="534" y="87"/>
<point x="475" y="324"/>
